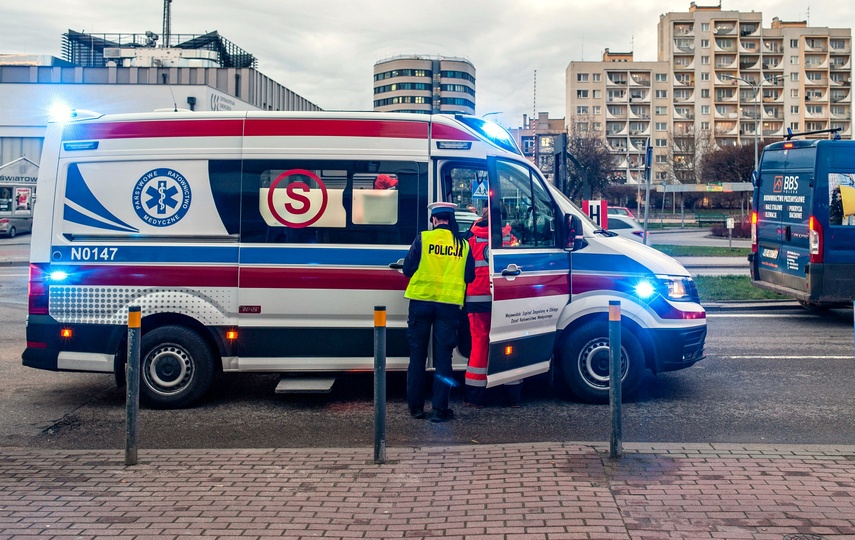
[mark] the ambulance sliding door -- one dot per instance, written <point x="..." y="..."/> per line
<point x="530" y="273"/>
<point x="317" y="238"/>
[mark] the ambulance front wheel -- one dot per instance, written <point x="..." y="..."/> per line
<point x="176" y="367"/>
<point x="585" y="362"/>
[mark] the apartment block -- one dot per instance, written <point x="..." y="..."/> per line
<point x="725" y="79"/>
<point x="424" y="84"/>
<point x="622" y="100"/>
<point x="537" y="139"/>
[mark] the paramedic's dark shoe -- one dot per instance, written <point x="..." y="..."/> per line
<point x="442" y="415"/>
<point x="417" y="413"/>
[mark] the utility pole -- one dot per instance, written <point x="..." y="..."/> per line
<point x="167" y="22"/>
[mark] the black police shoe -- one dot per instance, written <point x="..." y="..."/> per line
<point x="442" y="415"/>
<point x="417" y="413"/>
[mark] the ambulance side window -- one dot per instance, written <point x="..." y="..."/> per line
<point x="530" y="209"/>
<point x="330" y="201"/>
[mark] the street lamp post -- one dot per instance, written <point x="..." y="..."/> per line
<point x="756" y="88"/>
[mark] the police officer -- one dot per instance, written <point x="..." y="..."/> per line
<point x="439" y="265"/>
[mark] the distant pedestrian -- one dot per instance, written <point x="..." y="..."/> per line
<point x="439" y="265"/>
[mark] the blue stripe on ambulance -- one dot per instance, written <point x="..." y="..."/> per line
<point x="77" y="192"/>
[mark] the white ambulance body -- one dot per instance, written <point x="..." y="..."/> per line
<point x="262" y="242"/>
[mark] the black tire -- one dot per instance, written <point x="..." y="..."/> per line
<point x="585" y="362"/>
<point x="815" y="308"/>
<point x="176" y="368"/>
<point x="13" y="233"/>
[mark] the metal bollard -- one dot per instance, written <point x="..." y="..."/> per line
<point x="615" y="449"/>
<point x="132" y="376"/>
<point x="379" y="384"/>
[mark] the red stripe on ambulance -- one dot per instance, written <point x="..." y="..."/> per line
<point x="263" y="128"/>
<point x="335" y="128"/>
<point x="530" y="287"/>
<point x="153" y="129"/>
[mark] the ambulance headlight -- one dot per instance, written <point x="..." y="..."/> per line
<point x="675" y="288"/>
<point x="678" y="288"/>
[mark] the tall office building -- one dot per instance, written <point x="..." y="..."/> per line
<point x="727" y="80"/>
<point x="424" y="84"/>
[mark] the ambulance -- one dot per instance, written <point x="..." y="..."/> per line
<point x="261" y="242"/>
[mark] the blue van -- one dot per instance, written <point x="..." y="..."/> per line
<point x="803" y="222"/>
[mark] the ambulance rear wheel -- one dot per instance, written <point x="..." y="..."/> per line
<point x="585" y="362"/>
<point x="176" y="367"/>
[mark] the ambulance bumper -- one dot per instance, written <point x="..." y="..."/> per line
<point x="677" y="349"/>
<point x="91" y="347"/>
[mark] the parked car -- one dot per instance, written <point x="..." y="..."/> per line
<point x="13" y="226"/>
<point x="620" y="211"/>
<point x="626" y="226"/>
<point x="465" y="219"/>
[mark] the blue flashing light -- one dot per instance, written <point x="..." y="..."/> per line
<point x="496" y="132"/>
<point x="644" y="289"/>
<point x="60" y="112"/>
<point x="491" y="131"/>
<point x="58" y="275"/>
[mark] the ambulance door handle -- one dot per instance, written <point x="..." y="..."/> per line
<point x="511" y="270"/>
<point x="788" y="233"/>
<point x="397" y="265"/>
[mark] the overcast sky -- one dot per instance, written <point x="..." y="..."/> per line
<point x="325" y="50"/>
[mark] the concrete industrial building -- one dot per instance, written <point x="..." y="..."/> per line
<point x="720" y="79"/>
<point x="119" y="73"/>
<point x="424" y="84"/>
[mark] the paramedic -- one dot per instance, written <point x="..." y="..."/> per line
<point x="439" y="265"/>
<point x="384" y="181"/>
<point x="479" y="307"/>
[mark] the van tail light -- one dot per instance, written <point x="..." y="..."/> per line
<point x="37" y="292"/>
<point x="754" y="232"/>
<point x="4" y="221"/>
<point x="815" y="240"/>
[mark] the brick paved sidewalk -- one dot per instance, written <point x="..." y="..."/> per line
<point x="525" y="491"/>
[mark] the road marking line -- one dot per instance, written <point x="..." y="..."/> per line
<point x="788" y="357"/>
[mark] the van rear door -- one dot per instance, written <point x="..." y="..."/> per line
<point x="783" y="212"/>
<point x="530" y="273"/>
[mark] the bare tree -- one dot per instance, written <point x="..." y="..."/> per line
<point x="687" y="149"/>
<point x="725" y="163"/>
<point x="730" y="163"/>
<point x="586" y="142"/>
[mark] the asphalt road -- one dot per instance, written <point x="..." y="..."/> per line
<point x="774" y="373"/>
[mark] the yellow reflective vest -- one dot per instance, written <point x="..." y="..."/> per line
<point x="440" y="275"/>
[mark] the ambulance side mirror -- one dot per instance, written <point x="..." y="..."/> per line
<point x="573" y="237"/>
